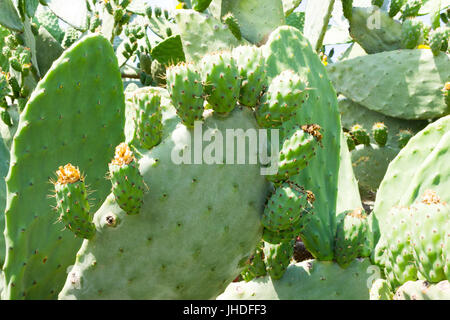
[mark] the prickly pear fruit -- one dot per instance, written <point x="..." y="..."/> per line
<point x="148" y="120"/>
<point x="184" y="84"/>
<point x="286" y="93"/>
<point x="412" y="33"/>
<point x="251" y="64"/>
<point x="380" y="133"/>
<point x="230" y="20"/>
<point x="221" y="81"/>
<point x="350" y="141"/>
<point x="298" y="148"/>
<point x="439" y="40"/>
<point x="399" y="254"/>
<point x="277" y="258"/>
<point x="72" y="202"/>
<point x="127" y="183"/>
<point x="403" y="137"/>
<point x="351" y="235"/>
<point x="428" y="235"/>
<point x="360" y="134"/>
<point x="70" y="37"/>
<point x="285" y="206"/>
<point x="278" y="236"/>
<point x="255" y="266"/>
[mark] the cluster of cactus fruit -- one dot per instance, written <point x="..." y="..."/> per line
<point x="212" y="68"/>
<point x="358" y="135"/>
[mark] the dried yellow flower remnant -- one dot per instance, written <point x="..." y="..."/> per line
<point x="357" y="213"/>
<point x="446" y="87"/>
<point x="430" y="197"/>
<point x="123" y="155"/>
<point x="68" y="174"/>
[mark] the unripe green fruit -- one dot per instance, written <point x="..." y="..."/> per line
<point x="360" y="134"/>
<point x="72" y="202"/>
<point x="127" y="183"/>
<point x="380" y="133"/>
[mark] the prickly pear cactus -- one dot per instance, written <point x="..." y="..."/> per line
<point x="72" y="110"/>
<point x="417" y="96"/>
<point x="152" y="238"/>
<point x="423" y="290"/>
<point x="307" y="280"/>
<point x="320" y="108"/>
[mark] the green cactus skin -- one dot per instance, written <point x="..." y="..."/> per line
<point x="4" y="65"/>
<point x="370" y="164"/>
<point x="317" y="18"/>
<point x="72" y="106"/>
<point x="9" y="18"/>
<point x="200" y="5"/>
<point x="380" y="133"/>
<point x="202" y="33"/>
<point x="184" y="84"/>
<point x="50" y="21"/>
<point x="439" y="40"/>
<point x="417" y="97"/>
<point x="423" y="290"/>
<point x="217" y="233"/>
<point x="403" y="138"/>
<point x="378" y="3"/>
<point x="347" y="6"/>
<point x="47" y="50"/>
<point x="307" y="280"/>
<point x="399" y="265"/>
<point x="284" y="207"/>
<point x="415" y="166"/>
<point x="353" y="113"/>
<point x="148" y="120"/>
<point x="255" y="266"/>
<point x="395" y="7"/>
<point x="296" y="20"/>
<point x="255" y="24"/>
<point x="298" y="149"/>
<point x="221" y="81"/>
<point x="285" y="95"/>
<point x="233" y="25"/>
<point x="348" y="196"/>
<point x="127" y="183"/>
<point x="251" y="64"/>
<point x="320" y="108"/>
<point x="380" y="290"/>
<point x="281" y="235"/>
<point x="350" y="142"/>
<point x="73" y="206"/>
<point x="289" y="6"/>
<point x="412" y="33"/>
<point x="427" y="239"/>
<point x="360" y="135"/>
<point x="70" y="37"/>
<point x="277" y="258"/>
<point x="170" y="51"/>
<point x="386" y="36"/>
<point x="351" y="236"/>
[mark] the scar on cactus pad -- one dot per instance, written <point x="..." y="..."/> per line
<point x="72" y="201"/>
